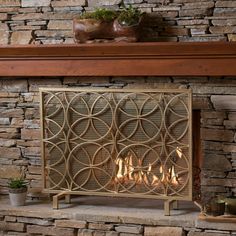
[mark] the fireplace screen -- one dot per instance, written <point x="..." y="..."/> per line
<point x="125" y="143"/>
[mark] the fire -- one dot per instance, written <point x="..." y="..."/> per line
<point x="173" y="176"/>
<point x="127" y="173"/>
<point x="179" y="152"/>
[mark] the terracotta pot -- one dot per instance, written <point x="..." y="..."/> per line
<point x="18" y="196"/>
<point x="88" y="29"/>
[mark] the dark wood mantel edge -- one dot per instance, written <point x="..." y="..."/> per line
<point x="120" y="59"/>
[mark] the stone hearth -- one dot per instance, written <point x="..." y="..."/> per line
<point x="107" y="217"/>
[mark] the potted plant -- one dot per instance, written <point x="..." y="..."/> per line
<point x="127" y="24"/>
<point x="108" y="24"/>
<point x="94" y="25"/>
<point x="17" y="191"/>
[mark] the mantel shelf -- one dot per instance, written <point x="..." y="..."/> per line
<point x="120" y="59"/>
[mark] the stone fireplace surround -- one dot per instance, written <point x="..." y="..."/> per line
<point x="206" y="68"/>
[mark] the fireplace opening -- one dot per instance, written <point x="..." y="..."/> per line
<point x="124" y="143"/>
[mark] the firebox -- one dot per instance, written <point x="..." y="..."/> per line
<point x="124" y="143"/>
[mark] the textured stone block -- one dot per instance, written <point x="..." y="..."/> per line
<point x="36" y="229"/>
<point x="193" y="22"/>
<point x="97" y="3"/>
<point x="204" y="38"/>
<point x="213" y="114"/>
<point x="4" y="121"/>
<point x="193" y="233"/>
<point x="99" y="233"/>
<point x="223" y="22"/>
<point x="217" y="135"/>
<point x="222" y="29"/>
<point x="85" y="232"/>
<point x="32" y="124"/>
<point x="29" y="16"/>
<point x="9" y="171"/>
<point x="29" y="134"/>
<point x="9" y="3"/>
<point x="230" y="124"/>
<point x="163" y="231"/>
<point x="21" y="37"/>
<point x="229" y="148"/>
<point x="128" y="234"/>
<point x="129" y="229"/>
<point x="195" y="12"/>
<point x="112" y="233"/>
<point x="232" y="116"/>
<point x="12" y="113"/>
<point x="226" y="4"/>
<point x="216" y="162"/>
<point x="3" y="16"/>
<point x="32" y="151"/>
<point x="217" y="226"/>
<point x="35" y="84"/>
<point x="10" y="152"/>
<point x="199" y="5"/>
<point x="218" y="182"/>
<point x="35" y="170"/>
<point x="101" y="226"/>
<point x="216" y="146"/>
<point x="225" y="102"/>
<point x="71" y="224"/>
<point x="10" y="218"/>
<point x="13" y="85"/>
<point x="200" y="30"/>
<point x="205" y="89"/>
<point x="224" y="12"/>
<point x="32" y="113"/>
<point x="68" y="3"/>
<point x="35" y="221"/>
<point x="35" y="3"/>
<point x="10" y="226"/>
<point x="165" y="14"/>
<point x="60" y="25"/>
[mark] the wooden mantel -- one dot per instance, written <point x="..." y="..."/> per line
<point x="120" y="59"/>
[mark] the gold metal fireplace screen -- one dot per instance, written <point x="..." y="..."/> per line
<point x="124" y="143"/>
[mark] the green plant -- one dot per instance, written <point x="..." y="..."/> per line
<point x="102" y="14"/>
<point x="17" y="183"/>
<point x="129" y="16"/>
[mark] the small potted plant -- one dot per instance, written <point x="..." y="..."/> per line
<point x="94" y="25"/>
<point x="17" y="191"/>
<point x="127" y="24"/>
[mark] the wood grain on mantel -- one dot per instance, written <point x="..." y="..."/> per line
<point x="120" y="59"/>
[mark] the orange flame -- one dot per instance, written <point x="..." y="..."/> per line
<point x="126" y="172"/>
<point x="179" y="152"/>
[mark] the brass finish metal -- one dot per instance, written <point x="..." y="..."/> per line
<point x="124" y="143"/>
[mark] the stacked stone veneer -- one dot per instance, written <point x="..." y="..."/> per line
<point x="20" y="125"/>
<point x="27" y="220"/>
<point x="50" y="21"/>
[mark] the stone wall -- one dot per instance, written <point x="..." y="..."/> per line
<point x="50" y="21"/>
<point x="215" y="97"/>
<point x="93" y="220"/>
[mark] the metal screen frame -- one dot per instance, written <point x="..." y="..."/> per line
<point x="44" y="141"/>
